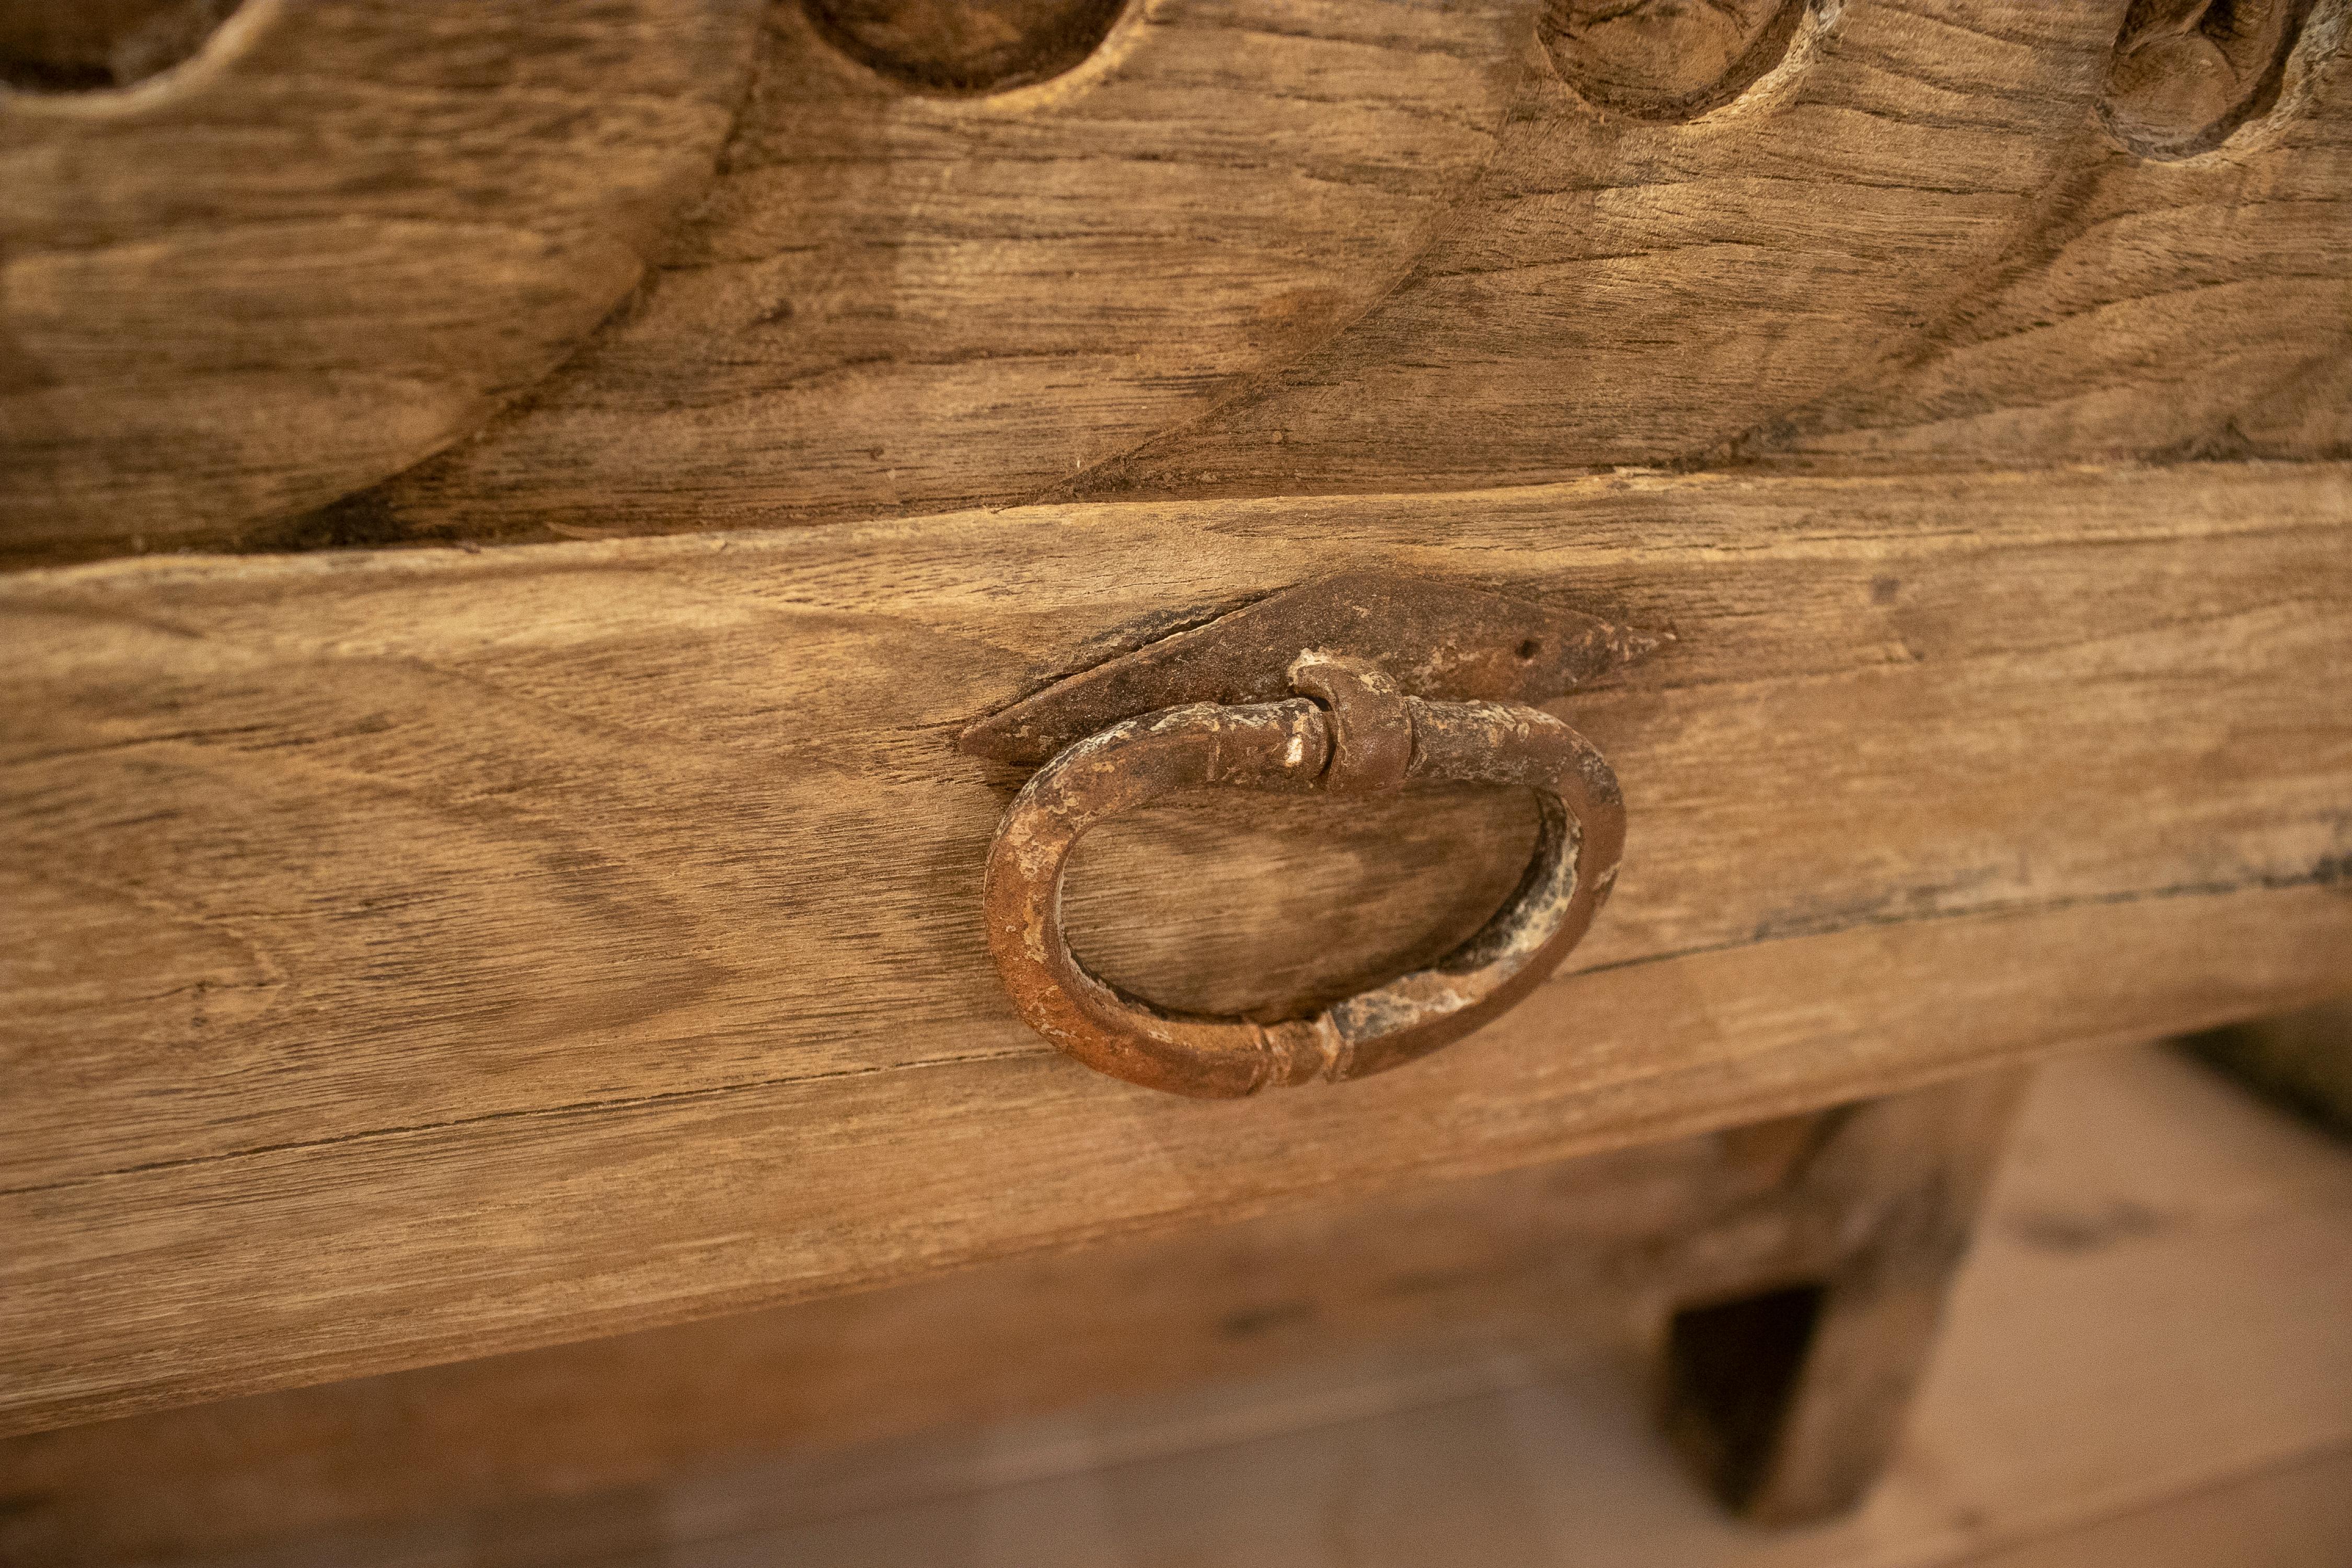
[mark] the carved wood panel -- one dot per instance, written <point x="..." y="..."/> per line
<point x="987" y="251"/>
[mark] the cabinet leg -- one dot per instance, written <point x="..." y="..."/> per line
<point x="1789" y="1397"/>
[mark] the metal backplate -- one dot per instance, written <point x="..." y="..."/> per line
<point x="1438" y="640"/>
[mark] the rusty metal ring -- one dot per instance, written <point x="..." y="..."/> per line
<point x="1366" y="739"/>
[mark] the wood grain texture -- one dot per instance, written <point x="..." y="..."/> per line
<point x="2163" y="309"/>
<point x="2147" y="1327"/>
<point x="2147" y="1330"/>
<point x="1913" y="238"/>
<point x="430" y="953"/>
<point x="1662" y="60"/>
<point x="2189" y="72"/>
<point x="1551" y="1253"/>
<point x="328" y="243"/>
<point x="899" y="300"/>
<point x="1622" y="291"/>
<point x="967" y="45"/>
<point x="1290" y="247"/>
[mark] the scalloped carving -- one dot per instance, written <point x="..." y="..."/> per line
<point x="339" y="237"/>
<point x="1666" y="60"/>
<point x="2189" y="72"/>
<point x="966" y="46"/>
<point x="101" y="45"/>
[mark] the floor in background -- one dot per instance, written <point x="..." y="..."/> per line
<point x="2148" y="1364"/>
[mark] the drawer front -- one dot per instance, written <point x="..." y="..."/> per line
<point x="429" y="952"/>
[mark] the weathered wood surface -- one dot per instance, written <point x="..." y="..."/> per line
<point x="924" y="302"/>
<point x="423" y="955"/>
<point x="1546" y="323"/>
<point x="1916" y="233"/>
<point x="1556" y="1253"/>
<point x="1917" y="242"/>
<point x="1202" y="248"/>
<point x="2150" y="1317"/>
<point x="328" y="243"/>
<point x="2144" y="1369"/>
<point x="2165" y="307"/>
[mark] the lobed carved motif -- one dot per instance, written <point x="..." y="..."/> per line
<point x="2189" y="72"/>
<point x="1666" y="60"/>
<point x="1253" y="247"/>
<point x="967" y="45"/>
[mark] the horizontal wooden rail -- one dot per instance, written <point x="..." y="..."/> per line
<point x="420" y="954"/>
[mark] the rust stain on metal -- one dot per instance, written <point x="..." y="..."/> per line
<point x="1428" y="638"/>
<point x="1369" y="737"/>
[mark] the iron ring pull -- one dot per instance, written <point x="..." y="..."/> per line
<point x="1349" y="732"/>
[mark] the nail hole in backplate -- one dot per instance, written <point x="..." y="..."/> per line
<point x="966" y="46"/>
<point x="101" y="46"/>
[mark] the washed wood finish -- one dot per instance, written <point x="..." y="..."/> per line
<point x="2170" y="309"/>
<point x="490" y="949"/>
<point x="989" y="253"/>
<point x="1554" y="1254"/>
<point x="1529" y="254"/>
<point x="2148" y="1323"/>
<point x="329" y="243"/>
<point x="421" y="955"/>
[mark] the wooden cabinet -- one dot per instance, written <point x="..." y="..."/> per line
<point x="512" y="508"/>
